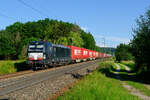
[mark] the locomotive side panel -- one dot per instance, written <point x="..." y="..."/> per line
<point x="61" y="55"/>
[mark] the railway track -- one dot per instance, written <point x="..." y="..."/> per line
<point x="9" y="86"/>
<point x="15" y="74"/>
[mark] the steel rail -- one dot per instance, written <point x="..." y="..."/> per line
<point x="15" y="74"/>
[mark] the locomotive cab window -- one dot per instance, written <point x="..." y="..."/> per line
<point x="36" y="48"/>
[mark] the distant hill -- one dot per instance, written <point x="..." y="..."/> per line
<point x="108" y="50"/>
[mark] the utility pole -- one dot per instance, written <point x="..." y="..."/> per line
<point x="104" y="44"/>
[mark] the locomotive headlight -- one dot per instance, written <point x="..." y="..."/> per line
<point x="40" y="55"/>
<point x="29" y="55"/>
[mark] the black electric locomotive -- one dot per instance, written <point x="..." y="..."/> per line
<point x="42" y="54"/>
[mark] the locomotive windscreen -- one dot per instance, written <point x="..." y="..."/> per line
<point x="36" y="48"/>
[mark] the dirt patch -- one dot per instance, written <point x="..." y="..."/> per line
<point x="135" y="91"/>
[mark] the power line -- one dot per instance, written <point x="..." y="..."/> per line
<point x="5" y="16"/>
<point x="27" y="5"/>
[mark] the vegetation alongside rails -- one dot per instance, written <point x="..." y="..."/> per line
<point x="130" y="64"/>
<point x="121" y="67"/>
<point x="138" y="48"/>
<point x="108" y="50"/>
<point x="141" y="43"/>
<point x="123" y="53"/>
<point x="7" y="67"/>
<point x="106" y="64"/>
<point x="97" y="86"/>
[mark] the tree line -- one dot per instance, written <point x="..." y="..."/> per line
<point x="15" y="38"/>
<point x="123" y="52"/>
<point x="139" y="46"/>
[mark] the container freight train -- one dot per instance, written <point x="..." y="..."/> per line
<point x="42" y="54"/>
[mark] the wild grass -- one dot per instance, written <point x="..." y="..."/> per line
<point x="106" y="64"/>
<point x="121" y="66"/>
<point x="97" y="86"/>
<point x="130" y="64"/>
<point x="9" y="66"/>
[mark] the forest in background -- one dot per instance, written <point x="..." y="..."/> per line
<point x="108" y="50"/>
<point x="15" y="38"/>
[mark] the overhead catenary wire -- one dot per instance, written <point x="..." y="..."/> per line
<point x="29" y="6"/>
<point x="5" y="15"/>
<point x="8" y="17"/>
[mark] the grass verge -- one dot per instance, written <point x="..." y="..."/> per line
<point x="130" y="64"/>
<point x="97" y="86"/>
<point x="7" y="67"/>
<point x="122" y="68"/>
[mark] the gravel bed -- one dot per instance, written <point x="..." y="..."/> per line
<point x="49" y="88"/>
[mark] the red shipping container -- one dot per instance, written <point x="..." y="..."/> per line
<point x="90" y="54"/>
<point x="85" y="53"/>
<point x="97" y="56"/>
<point x="94" y="54"/>
<point x="76" y="52"/>
<point x="103" y="55"/>
<point x="100" y="55"/>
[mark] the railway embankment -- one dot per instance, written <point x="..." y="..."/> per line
<point x="112" y="81"/>
<point x="102" y="84"/>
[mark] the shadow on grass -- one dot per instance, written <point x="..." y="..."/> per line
<point x="21" y="66"/>
<point x="126" y="76"/>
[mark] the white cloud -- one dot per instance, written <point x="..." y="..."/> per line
<point x="101" y="45"/>
<point x="113" y="38"/>
<point x="118" y="39"/>
<point x="84" y="28"/>
<point x="110" y="41"/>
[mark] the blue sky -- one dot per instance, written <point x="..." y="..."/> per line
<point x="112" y="19"/>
